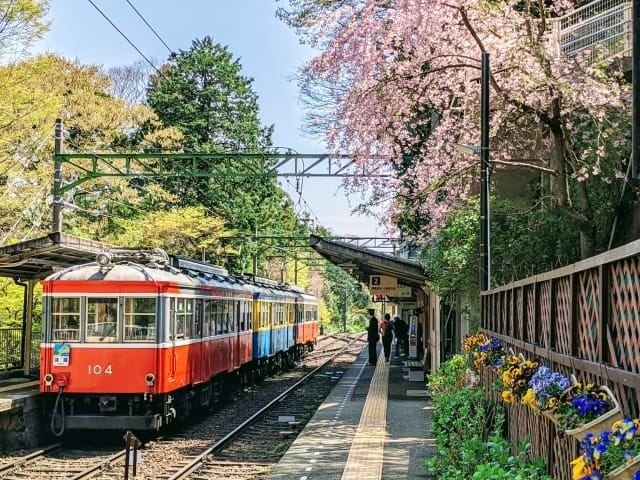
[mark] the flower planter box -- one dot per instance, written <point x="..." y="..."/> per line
<point x="600" y="424"/>
<point x="551" y="416"/>
<point x="626" y="471"/>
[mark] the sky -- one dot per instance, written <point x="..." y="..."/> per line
<point x="268" y="50"/>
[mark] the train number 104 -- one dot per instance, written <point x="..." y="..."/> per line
<point x="99" y="369"/>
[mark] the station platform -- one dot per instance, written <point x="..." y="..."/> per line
<point x="375" y="424"/>
<point x="20" y="413"/>
<point x="14" y="389"/>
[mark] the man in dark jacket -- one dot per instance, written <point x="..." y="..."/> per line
<point x="402" y="336"/>
<point x="372" y="337"/>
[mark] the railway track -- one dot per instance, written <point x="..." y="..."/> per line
<point x="254" y="447"/>
<point x="173" y="455"/>
<point x="60" y="462"/>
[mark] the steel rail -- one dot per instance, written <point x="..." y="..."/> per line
<point x="28" y="458"/>
<point x="200" y="459"/>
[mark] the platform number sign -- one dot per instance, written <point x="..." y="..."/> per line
<point x="61" y="354"/>
<point x="383" y="284"/>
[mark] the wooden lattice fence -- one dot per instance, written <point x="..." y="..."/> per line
<point x="583" y="319"/>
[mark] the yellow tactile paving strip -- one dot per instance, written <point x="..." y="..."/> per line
<point x="367" y="450"/>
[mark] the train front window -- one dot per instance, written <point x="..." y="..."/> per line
<point x="65" y="320"/>
<point x="102" y="320"/>
<point x="140" y="319"/>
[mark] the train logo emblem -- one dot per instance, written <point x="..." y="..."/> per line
<point x="61" y="354"/>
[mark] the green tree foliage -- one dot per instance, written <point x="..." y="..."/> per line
<point x="340" y="286"/>
<point x="12" y="303"/>
<point x="21" y="22"/>
<point x="29" y="106"/>
<point x="202" y="93"/>
<point x="188" y="232"/>
<point x="452" y="263"/>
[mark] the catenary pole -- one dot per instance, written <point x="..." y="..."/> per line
<point x="57" y="178"/>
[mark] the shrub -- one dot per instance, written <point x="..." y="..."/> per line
<point x="458" y="410"/>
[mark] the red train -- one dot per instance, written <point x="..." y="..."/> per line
<point x="136" y="342"/>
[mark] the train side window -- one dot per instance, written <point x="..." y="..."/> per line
<point x="218" y="309"/>
<point x="197" y="318"/>
<point x="172" y="316"/>
<point x="102" y="320"/>
<point x="243" y="315"/>
<point x="180" y="317"/>
<point x="233" y="315"/>
<point x="207" y="319"/>
<point x="227" y="314"/>
<point x="189" y="327"/>
<point x="140" y="319"/>
<point x="65" y="320"/>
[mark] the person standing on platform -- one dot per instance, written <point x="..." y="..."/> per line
<point x="402" y="336"/>
<point x="387" y="336"/>
<point x="373" y="337"/>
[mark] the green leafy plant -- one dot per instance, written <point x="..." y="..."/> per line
<point x="486" y="455"/>
<point x="458" y="408"/>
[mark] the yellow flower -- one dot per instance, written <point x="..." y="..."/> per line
<point x="508" y="397"/>
<point x="579" y="469"/>
<point x="529" y="399"/>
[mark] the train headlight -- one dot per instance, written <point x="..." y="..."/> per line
<point x="48" y="379"/>
<point x="103" y="259"/>
<point x="149" y="379"/>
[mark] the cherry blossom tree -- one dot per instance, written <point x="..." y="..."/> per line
<point x="397" y="81"/>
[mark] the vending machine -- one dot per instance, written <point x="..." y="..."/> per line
<point x="413" y="336"/>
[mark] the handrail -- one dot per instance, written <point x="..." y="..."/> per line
<point x="11" y="345"/>
<point x="603" y="24"/>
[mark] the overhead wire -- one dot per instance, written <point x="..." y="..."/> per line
<point x="298" y="190"/>
<point x="302" y="199"/>
<point x="150" y="27"/>
<point x="127" y="39"/>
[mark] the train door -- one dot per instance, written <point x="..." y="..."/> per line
<point x="272" y="327"/>
<point x="237" y="348"/>
<point x="196" y="351"/>
<point x="172" y="353"/>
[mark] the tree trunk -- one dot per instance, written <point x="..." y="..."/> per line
<point x="558" y="183"/>
<point x="587" y="244"/>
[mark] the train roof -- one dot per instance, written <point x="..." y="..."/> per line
<point x="125" y="271"/>
<point x="156" y="265"/>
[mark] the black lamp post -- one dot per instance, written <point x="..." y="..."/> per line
<point x="485" y="251"/>
<point x="485" y="173"/>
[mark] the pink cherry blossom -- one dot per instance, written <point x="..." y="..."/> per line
<point x="402" y="77"/>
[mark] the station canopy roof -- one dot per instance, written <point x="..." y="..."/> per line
<point x="39" y="257"/>
<point x="361" y="262"/>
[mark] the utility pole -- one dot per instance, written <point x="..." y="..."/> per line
<point x="485" y="231"/>
<point x="635" y="77"/>
<point x="57" y="178"/>
<point x="255" y="256"/>
<point x="346" y="311"/>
